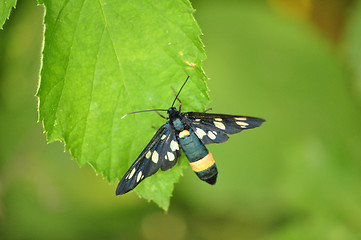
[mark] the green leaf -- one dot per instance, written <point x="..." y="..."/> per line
<point x="103" y="59"/>
<point x="5" y="9"/>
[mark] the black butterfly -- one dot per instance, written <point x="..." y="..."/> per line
<point x="189" y="131"/>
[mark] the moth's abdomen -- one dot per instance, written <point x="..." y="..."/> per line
<point x="200" y="159"/>
<point x="206" y="169"/>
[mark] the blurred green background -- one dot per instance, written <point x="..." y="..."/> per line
<point x="294" y="63"/>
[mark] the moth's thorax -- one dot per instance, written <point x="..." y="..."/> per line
<point x="175" y="118"/>
<point x="178" y="124"/>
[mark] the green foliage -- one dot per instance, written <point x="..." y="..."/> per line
<point x="297" y="177"/>
<point x="103" y="59"/>
<point x="5" y="9"/>
<point x="353" y="47"/>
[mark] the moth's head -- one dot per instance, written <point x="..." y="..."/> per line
<point x="172" y="112"/>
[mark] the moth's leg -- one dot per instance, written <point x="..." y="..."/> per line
<point x="175" y="94"/>
<point x="208" y="109"/>
<point x="180" y="103"/>
<point x="160" y="114"/>
<point x="156" y="128"/>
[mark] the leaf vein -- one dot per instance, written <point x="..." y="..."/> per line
<point x="91" y="94"/>
<point x="122" y="78"/>
<point x="67" y="62"/>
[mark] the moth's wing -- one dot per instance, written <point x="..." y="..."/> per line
<point x="213" y="128"/>
<point x="170" y="151"/>
<point x="157" y="154"/>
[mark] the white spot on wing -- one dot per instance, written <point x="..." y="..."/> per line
<point x="219" y="125"/>
<point x="211" y="135"/>
<point x="197" y="120"/>
<point x="148" y="154"/>
<point x="242" y="123"/>
<point x="155" y="157"/>
<point x="240" y="118"/>
<point x="200" y="133"/>
<point x="170" y="156"/>
<point x="139" y="176"/>
<point x="162" y="138"/>
<point x="174" y="145"/>
<point x="131" y="174"/>
<point x="218" y="119"/>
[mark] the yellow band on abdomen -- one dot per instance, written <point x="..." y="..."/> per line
<point x="184" y="133"/>
<point x="203" y="164"/>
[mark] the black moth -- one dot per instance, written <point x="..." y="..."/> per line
<point x="189" y="131"/>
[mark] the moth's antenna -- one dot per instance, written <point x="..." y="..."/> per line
<point x="180" y="91"/>
<point x="153" y="110"/>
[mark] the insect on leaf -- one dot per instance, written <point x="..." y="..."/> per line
<point x="103" y="59"/>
